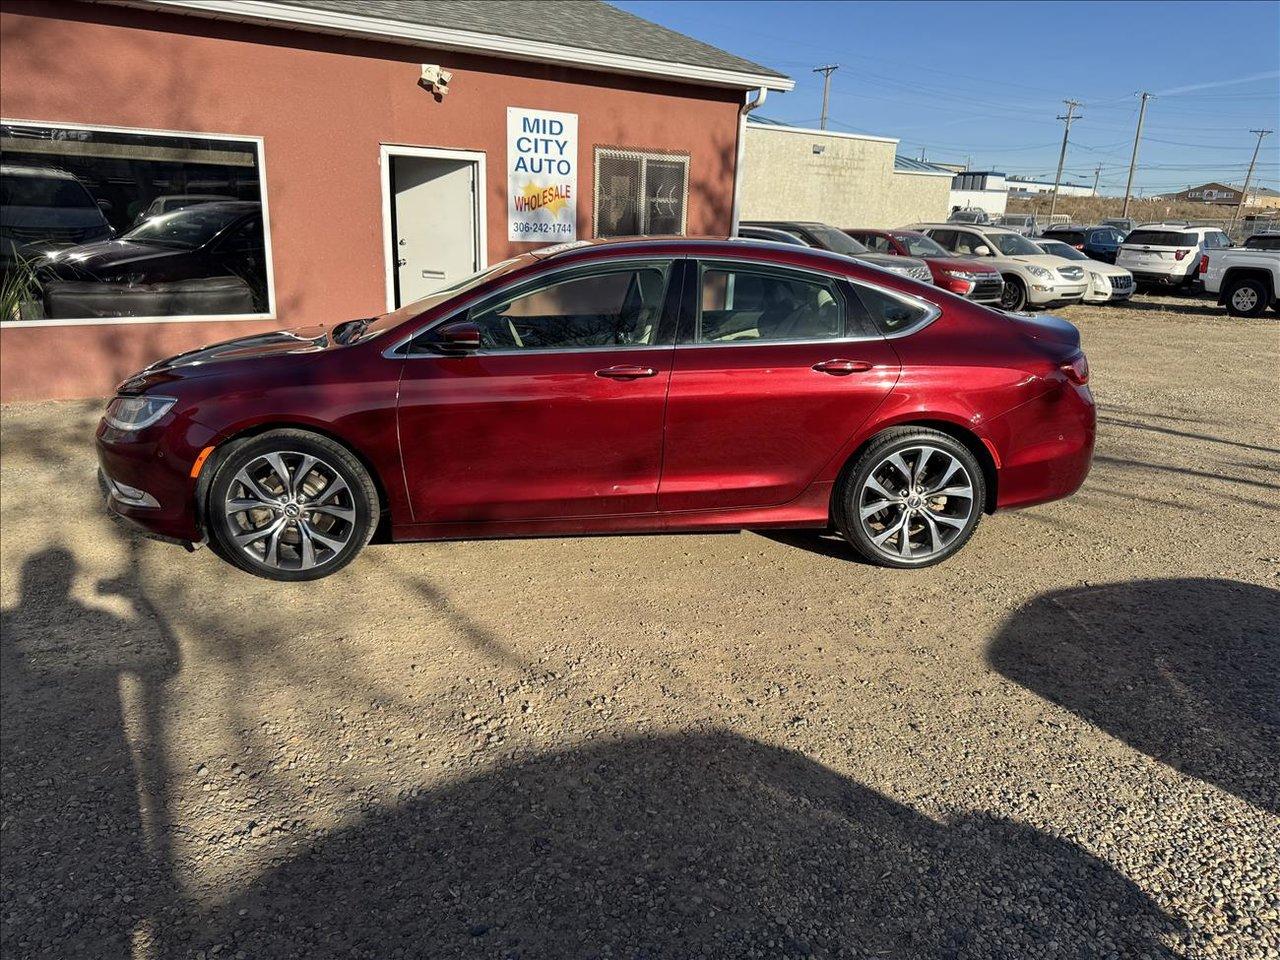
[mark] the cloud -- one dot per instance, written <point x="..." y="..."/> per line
<point x="1269" y="75"/>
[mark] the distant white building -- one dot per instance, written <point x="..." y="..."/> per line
<point x="1026" y="187"/>
<point x="980" y="190"/>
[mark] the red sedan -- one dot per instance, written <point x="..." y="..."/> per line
<point x="973" y="279"/>
<point x="625" y="386"/>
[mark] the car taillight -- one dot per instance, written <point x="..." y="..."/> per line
<point x="1204" y="263"/>
<point x="1179" y="254"/>
<point x="1076" y="369"/>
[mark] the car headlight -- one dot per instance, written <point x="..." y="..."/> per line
<point x="137" y="413"/>
<point x="1040" y="272"/>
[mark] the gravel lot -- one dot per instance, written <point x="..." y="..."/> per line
<point x="1065" y="742"/>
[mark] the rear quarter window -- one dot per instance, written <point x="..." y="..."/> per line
<point x="890" y="314"/>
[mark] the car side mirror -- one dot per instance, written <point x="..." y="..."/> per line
<point x="461" y="336"/>
<point x="982" y="250"/>
<point x="106" y="206"/>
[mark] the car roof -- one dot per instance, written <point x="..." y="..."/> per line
<point x="231" y="206"/>
<point x="961" y="225"/>
<point x="707" y="246"/>
<point x="1173" y="225"/>
<point x="18" y="170"/>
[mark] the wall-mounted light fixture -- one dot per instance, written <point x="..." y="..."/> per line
<point x="436" y="79"/>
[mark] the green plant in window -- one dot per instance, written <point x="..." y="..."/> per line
<point x="19" y="288"/>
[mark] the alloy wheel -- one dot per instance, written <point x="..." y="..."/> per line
<point x="290" y="510"/>
<point x="916" y="502"/>
<point x="1245" y="299"/>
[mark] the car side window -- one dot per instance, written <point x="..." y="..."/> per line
<point x="967" y="243"/>
<point x="891" y="314"/>
<point x="944" y="238"/>
<point x="877" y="243"/>
<point x="244" y="238"/>
<point x="608" y="308"/>
<point x="748" y="305"/>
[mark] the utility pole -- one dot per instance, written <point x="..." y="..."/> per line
<point x="1133" y="160"/>
<point x="826" y="72"/>
<point x="1097" y="172"/>
<point x="1062" y="157"/>
<point x="1244" y="194"/>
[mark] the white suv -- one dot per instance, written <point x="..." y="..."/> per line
<point x="1168" y="254"/>
<point x="1032" y="278"/>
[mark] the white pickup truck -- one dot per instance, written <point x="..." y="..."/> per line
<point x="1246" y="279"/>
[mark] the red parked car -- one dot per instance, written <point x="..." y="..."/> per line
<point x="972" y="279"/>
<point x="610" y="387"/>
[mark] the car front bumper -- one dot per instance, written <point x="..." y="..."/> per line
<point x="1044" y="294"/>
<point x="147" y="479"/>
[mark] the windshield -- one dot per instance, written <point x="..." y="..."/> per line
<point x="1059" y="249"/>
<point x="918" y="245"/>
<point x="835" y="240"/>
<point x="22" y="191"/>
<point x="1013" y="245"/>
<point x="189" y="228"/>
<point x="418" y="307"/>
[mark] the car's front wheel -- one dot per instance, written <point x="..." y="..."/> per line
<point x="1246" y="297"/>
<point x="912" y="499"/>
<point x="290" y="505"/>
<point x="1014" y="296"/>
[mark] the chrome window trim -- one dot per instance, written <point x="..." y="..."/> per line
<point x="393" y="352"/>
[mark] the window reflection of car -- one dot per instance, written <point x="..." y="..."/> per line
<point x="211" y="240"/>
<point x="172" y="202"/>
<point x="42" y="208"/>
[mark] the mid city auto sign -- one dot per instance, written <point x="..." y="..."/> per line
<point x="542" y="176"/>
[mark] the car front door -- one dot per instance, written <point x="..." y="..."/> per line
<point x="558" y="413"/>
<point x="775" y="370"/>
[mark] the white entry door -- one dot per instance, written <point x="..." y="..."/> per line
<point x="435" y="223"/>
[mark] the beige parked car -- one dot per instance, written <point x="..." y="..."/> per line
<point x="1032" y="278"/>
<point x="1107" y="282"/>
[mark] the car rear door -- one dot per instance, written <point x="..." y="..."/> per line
<point x="775" y="369"/>
<point x="559" y="414"/>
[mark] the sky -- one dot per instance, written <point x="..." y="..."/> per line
<point x="983" y="82"/>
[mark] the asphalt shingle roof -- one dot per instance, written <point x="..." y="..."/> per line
<point x="589" y="24"/>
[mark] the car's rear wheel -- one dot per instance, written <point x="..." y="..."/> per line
<point x="912" y="499"/>
<point x="1014" y="296"/>
<point x="290" y="505"/>
<point x="1246" y="297"/>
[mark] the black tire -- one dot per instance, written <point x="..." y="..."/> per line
<point x="1014" y="296"/>
<point x="318" y="510"/>
<point x="854" y="485"/>
<point x="1241" y="290"/>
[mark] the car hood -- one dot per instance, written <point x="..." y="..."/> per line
<point x="961" y="263"/>
<point x="1107" y="269"/>
<point x="213" y="358"/>
<point x="1046" y="260"/>
<point x="69" y="217"/>
<point x="889" y="261"/>
<point x="93" y="258"/>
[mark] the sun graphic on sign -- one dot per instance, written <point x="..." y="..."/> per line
<point x="553" y="206"/>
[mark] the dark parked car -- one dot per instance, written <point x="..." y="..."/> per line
<point x="969" y="278"/>
<point x="43" y="209"/>
<point x="1098" y="243"/>
<point x="610" y="387"/>
<point x="171" y="255"/>
<point x="826" y="237"/>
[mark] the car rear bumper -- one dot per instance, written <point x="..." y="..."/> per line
<point x="1045" y="446"/>
<point x="1161" y="279"/>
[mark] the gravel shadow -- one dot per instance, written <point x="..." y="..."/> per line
<point x="699" y="845"/>
<point x="1185" y="670"/>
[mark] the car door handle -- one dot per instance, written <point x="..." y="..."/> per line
<point x="626" y="371"/>
<point x="840" y="368"/>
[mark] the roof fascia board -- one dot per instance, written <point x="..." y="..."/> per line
<point x="467" y="41"/>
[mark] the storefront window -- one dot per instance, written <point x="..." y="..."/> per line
<point x="101" y="225"/>
<point x="640" y="193"/>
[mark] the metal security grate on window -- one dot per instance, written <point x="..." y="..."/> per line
<point x="640" y="193"/>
